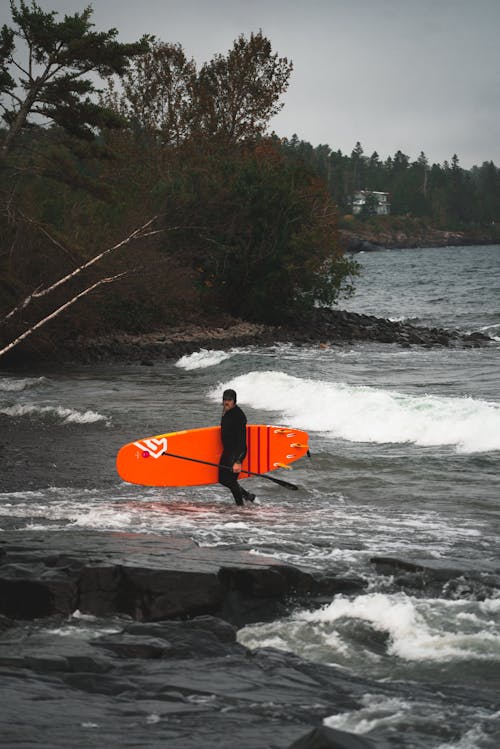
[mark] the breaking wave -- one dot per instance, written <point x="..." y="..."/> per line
<point x="12" y="385"/>
<point x="60" y="413"/>
<point x="203" y="358"/>
<point x="413" y="630"/>
<point x="367" y="414"/>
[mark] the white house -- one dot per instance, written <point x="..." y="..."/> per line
<point x="378" y="201"/>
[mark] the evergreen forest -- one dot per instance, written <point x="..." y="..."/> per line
<point x="447" y="195"/>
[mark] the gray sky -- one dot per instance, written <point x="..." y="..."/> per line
<point x="415" y="75"/>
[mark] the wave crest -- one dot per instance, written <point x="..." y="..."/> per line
<point x="65" y="415"/>
<point x="367" y="414"/>
<point x="12" y="385"/>
<point x="203" y="358"/>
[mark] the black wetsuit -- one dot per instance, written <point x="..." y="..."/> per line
<point x="234" y="441"/>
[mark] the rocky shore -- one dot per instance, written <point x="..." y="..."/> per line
<point x="412" y="236"/>
<point x="130" y="639"/>
<point x="324" y="327"/>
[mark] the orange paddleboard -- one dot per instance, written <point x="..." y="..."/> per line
<point x="268" y="448"/>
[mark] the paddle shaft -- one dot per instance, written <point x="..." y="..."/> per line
<point x="286" y="484"/>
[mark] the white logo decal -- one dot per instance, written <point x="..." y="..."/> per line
<point x="153" y="447"/>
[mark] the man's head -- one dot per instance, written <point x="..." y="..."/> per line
<point x="228" y="399"/>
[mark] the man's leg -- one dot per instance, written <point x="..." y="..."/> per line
<point x="229" y="479"/>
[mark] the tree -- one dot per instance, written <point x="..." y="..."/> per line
<point x="48" y="75"/>
<point x="267" y="246"/>
<point x="69" y="298"/>
<point x="487" y="181"/>
<point x="157" y="92"/>
<point x="358" y="167"/>
<point x="422" y="165"/>
<point x="369" y="207"/>
<point x="400" y="162"/>
<point x="236" y="95"/>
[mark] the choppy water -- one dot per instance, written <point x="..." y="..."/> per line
<point x="406" y="457"/>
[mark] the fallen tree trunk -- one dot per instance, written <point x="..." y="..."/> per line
<point x="140" y="233"/>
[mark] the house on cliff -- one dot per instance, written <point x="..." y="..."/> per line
<point x="372" y="202"/>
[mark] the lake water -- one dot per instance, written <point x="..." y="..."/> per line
<point x="405" y="462"/>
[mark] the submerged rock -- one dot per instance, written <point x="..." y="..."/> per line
<point x="460" y="578"/>
<point x="329" y="738"/>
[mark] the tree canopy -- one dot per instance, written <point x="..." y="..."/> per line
<point x="446" y="194"/>
<point x="232" y="96"/>
<point x="237" y="94"/>
<point x="261" y="231"/>
<point x="46" y="67"/>
<point x="238" y="227"/>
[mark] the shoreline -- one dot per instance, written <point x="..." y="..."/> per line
<point x="364" y="239"/>
<point x="324" y="328"/>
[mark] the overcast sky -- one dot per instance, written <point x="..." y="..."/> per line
<point x="415" y="75"/>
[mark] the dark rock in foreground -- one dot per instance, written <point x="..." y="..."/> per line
<point x="111" y="678"/>
<point x="147" y="577"/>
<point x="175" y="684"/>
<point x="457" y="578"/>
<point x="83" y="682"/>
<point x="98" y="676"/>
<point x="328" y="738"/>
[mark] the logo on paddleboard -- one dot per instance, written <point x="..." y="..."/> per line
<point x="152" y="448"/>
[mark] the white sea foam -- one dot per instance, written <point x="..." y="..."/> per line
<point x="367" y="414"/>
<point x="377" y="711"/>
<point x="391" y="714"/>
<point x="13" y="385"/>
<point x="65" y="415"/>
<point x="203" y="358"/>
<point x="419" y="630"/>
<point x="472" y="739"/>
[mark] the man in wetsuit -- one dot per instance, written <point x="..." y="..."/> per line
<point x="234" y="441"/>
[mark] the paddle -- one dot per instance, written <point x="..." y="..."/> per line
<point x="286" y="484"/>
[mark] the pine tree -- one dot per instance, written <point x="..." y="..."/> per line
<point x="54" y="61"/>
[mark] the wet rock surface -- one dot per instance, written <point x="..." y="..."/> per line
<point x="148" y="577"/>
<point x="112" y="639"/>
<point x="175" y="684"/>
<point x="332" y="326"/>
<point x="459" y="578"/>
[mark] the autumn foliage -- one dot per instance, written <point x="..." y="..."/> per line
<point x="234" y="225"/>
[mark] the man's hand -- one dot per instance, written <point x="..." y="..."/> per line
<point x="237" y="468"/>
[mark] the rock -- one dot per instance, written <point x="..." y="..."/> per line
<point x="460" y="579"/>
<point x="204" y="636"/>
<point x="183" y="684"/>
<point x="130" y="646"/>
<point x="158" y="578"/>
<point x="329" y="738"/>
<point x="323" y="326"/>
<point x="5" y="623"/>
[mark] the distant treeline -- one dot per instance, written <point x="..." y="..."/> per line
<point x="447" y="194"/>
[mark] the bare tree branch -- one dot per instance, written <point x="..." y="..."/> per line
<point x="56" y="312"/>
<point x="139" y="233"/>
